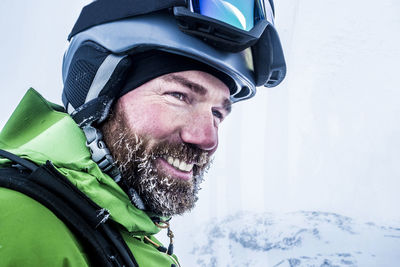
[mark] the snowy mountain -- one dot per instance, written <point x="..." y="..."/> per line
<point x="294" y="239"/>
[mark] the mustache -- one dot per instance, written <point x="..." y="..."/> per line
<point x="134" y="145"/>
<point x="182" y="151"/>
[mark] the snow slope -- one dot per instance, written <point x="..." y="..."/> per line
<point x="303" y="238"/>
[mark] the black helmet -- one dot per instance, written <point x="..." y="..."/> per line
<point x="235" y="38"/>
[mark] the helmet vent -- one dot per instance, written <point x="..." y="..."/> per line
<point x="78" y="82"/>
<point x="243" y="93"/>
<point x="274" y="78"/>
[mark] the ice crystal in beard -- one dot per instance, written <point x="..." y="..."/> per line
<point x="162" y="194"/>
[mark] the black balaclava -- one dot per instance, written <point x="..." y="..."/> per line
<point x="154" y="63"/>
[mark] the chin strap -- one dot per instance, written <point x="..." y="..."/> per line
<point x="102" y="156"/>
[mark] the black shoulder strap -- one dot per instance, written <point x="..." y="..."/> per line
<point x="14" y="158"/>
<point x="89" y="222"/>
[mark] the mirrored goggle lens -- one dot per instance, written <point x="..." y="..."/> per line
<point x="242" y="14"/>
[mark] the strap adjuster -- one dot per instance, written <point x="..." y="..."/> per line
<point x="100" y="153"/>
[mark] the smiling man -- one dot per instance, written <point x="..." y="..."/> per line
<point x="171" y="137"/>
<point x="146" y="86"/>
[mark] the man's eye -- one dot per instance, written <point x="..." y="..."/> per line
<point x="217" y="114"/>
<point x="180" y="96"/>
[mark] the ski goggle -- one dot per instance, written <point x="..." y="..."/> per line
<point x="232" y="25"/>
<point x="238" y="13"/>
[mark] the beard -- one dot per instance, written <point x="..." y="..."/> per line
<point x="162" y="194"/>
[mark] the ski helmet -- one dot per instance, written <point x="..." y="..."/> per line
<point x="235" y="38"/>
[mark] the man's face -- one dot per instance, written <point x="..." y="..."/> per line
<point x="162" y="135"/>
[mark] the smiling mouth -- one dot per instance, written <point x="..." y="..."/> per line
<point x="176" y="168"/>
<point x="178" y="164"/>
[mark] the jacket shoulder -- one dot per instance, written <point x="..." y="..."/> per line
<point x="31" y="235"/>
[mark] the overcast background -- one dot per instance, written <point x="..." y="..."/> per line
<point x="326" y="139"/>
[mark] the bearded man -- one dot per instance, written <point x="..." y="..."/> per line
<point x="164" y="149"/>
<point x="146" y="86"/>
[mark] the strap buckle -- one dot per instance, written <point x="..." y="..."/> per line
<point x="100" y="153"/>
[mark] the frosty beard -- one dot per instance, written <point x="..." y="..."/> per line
<point x="162" y="194"/>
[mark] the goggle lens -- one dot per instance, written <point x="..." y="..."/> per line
<point x="242" y="14"/>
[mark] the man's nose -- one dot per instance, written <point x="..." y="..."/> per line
<point x="202" y="132"/>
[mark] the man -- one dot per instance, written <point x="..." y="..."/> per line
<point x="146" y="86"/>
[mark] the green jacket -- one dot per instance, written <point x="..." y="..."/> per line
<point x="30" y="234"/>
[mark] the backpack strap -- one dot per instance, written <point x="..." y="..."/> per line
<point x="14" y="158"/>
<point x="88" y="221"/>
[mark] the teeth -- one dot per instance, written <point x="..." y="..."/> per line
<point x="176" y="163"/>
<point x="180" y="165"/>
<point x="189" y="167"/>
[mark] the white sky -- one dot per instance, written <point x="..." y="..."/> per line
<point x="326" y="139"/>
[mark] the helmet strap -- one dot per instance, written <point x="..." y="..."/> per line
<point x="94" y="111"/>
<point x="103" y="158"/>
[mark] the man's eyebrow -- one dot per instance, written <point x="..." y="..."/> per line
<point x="195" y="87"/>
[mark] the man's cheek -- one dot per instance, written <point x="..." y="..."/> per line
<point x="160" y="122"/>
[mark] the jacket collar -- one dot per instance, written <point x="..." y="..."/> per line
<point x="39" y="131"/>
